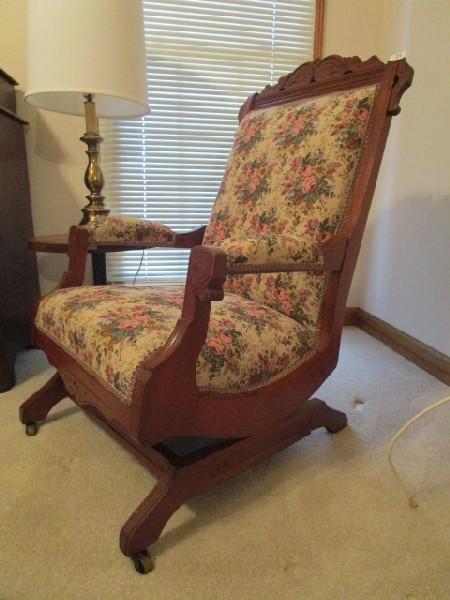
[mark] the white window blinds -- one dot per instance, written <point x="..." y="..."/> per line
<point x="204" y="57"/>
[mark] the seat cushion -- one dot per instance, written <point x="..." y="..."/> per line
<point x="112" y="329"/>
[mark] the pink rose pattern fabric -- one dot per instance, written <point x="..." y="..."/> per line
<point x="295" y="294"/>
<point x="130" y="231"/>
<point x="289" y="174"/>
<point x="291" y="168"/>
<point x="112" y="329"/>
<point x="265" y="250"/>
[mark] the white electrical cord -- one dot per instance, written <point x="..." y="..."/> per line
<point x="410" y="496"/>
<point x="139" y="268"/>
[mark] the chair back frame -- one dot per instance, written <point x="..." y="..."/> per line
<point x="334" y="74"/>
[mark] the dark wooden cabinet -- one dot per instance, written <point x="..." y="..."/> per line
<point x="19" y="290"/>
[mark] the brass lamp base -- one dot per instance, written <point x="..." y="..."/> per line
<point x="95" y="209"/>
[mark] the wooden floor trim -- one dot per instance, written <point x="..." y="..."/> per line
<point x="430" y="360"/>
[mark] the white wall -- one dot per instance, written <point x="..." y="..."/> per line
<point x="403" y="275"/>
<point x="403" y="272"/>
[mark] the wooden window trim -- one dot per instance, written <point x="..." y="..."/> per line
<point x="319" y="28"/>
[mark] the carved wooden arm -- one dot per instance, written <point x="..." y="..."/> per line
<point x="77" y="252"/>
<point x="79" y="243"/>
<point x="190" y="239"/>
<point x="174" y="365"/>
<point x="205" y="279"/>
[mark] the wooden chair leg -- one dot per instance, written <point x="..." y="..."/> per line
<point x="145" y="525"/>
<point x="203" y="473"/>
<point x="324" y="416"/>
<point x="38" y="405"/>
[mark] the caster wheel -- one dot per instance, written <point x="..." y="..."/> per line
<point x="31" y="429"/>
<point x="143" y="562"/>
<point x="339" y="422"/>
<point x="332" y="431"/>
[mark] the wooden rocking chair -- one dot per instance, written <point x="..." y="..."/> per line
<point x="230" y="362"/>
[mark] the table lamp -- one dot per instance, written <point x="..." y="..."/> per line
<point x="87" y="57"/>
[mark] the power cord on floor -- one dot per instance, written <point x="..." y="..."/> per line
<point x="410" y="496"/>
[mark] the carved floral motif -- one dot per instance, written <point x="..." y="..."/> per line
<point x="321" y="70"/>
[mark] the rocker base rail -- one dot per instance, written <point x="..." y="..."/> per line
<point x="205" y="469"/>
<point x="187" y="467"/>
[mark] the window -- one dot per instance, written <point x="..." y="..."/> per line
<point x="204" y="57"/>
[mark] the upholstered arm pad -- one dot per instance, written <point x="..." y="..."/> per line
<point x="277" y="253"/>
<point x="118" y="230"/>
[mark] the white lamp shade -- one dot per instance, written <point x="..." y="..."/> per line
<point x="77" y="47"/>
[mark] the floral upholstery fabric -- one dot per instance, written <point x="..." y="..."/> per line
<point x="289" y="174"/>
<point x="291" y="168"/>
<point x="129" y="230"/>
<point x="112" y="329"/>
<point x="295" y="294"/>
<point x="262" y="251"/>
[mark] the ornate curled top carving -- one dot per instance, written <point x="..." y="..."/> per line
<point x="403" y="80"/>
<point x="206" y="273"/>
<point x="322" y="70"/>
<point x="326" y="75"/>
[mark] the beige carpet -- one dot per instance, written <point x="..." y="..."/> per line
<point x="323" y="519"/>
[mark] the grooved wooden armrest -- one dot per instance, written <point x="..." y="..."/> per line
<point x="282" y="253"/>
<point x="190" y="239"/>
<point x="79" y="241"/>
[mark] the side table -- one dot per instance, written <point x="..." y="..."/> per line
<point x="58" y="244"/>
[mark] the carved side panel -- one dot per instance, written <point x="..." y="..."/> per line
<point x="76" y="390"/>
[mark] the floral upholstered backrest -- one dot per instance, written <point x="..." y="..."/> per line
<point x="290" y="172"/>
